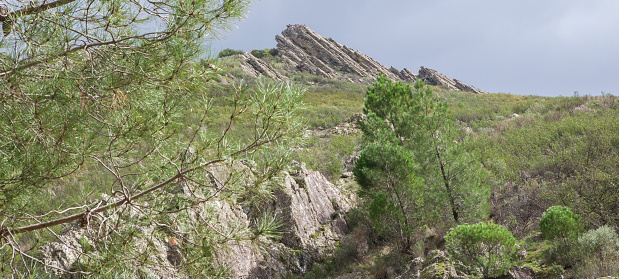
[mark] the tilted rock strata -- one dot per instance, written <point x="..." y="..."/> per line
<point x="311" y="53"/>
<point x="303" y="50"/>
<point x="256" y="67"/>
<point x="433" y="77"/>
<point x="311" y="208"/>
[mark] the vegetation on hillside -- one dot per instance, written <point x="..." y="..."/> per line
<point x="538" y="152"/>
<point x="113" y="130"/>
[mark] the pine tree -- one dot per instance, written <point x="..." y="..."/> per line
<point x="105" y="105"/>
<point x="416" y="119"/>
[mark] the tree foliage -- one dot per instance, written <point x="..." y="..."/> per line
<point x="106" y="120"/>
<point x="385" y="174"/>
<point x="485" y="248"/>
<point x="560" y="222"/>
<point x="228" y="52"/>
<point x="417" y="121"/>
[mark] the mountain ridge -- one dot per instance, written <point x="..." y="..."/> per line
<point x="302" y="50"/>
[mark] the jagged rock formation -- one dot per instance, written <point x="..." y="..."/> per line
<point x="433" y="77"/>
<point x="311" y="208"/>
<point x="256" y="67"/>
<point x="314" y="54"/>
<point x="301" y="49"/>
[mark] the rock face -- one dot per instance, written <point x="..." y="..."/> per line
<point x="256" y="67"/>
<point x="301" y="49"/>
<point x="311" y="53"/>
<point x="310" y="207"/>
<point x="433" y="77"/>
<point x="313" y="211"/>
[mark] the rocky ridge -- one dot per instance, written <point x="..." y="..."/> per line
<point x="311" y="53"/>
<point x="301" y="50"/>
<point x="432" y="77"/>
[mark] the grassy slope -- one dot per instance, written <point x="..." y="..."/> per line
<point x="549" y="154"/>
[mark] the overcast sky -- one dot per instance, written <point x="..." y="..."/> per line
<point x="527" y="47"/>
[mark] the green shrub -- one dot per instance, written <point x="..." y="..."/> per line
<point x="560" y="222"/>
<point x="273" y="52"/>
<point x="484" y="248"/>
<point x="601" y="240"/>
<point x="599" y="253"/>
<point x="259" y="53"/>
<point x="228" y="52"/>
<point x="562" y="227"/>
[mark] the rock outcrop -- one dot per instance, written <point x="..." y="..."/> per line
<point x="313" y="211"/>
<point x="311" y="53"/>
<point x="433" y="77"/>
<point x="310" y="207"/>
<point x="256" y="67"/>
<point x="300" y="49"/>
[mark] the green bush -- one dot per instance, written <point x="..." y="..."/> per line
<point x="560" y="222"/>
<point x="486" y="249"/>
<point x="562" y="227"/>
<point x="228" y="52"/>
<point x="599" y="253"/>
<point x="273" y="52"/>
<point x="260" y="53"/>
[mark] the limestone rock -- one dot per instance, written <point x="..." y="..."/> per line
<point x="256" y="67"/>
<point x="311" y="53"/>
<point x="405" y="74"/>
<point x="312" y="209"/>
<point x="75" y="241"/>
<point x="432" y="77"/>
<point x="60" y="256"/>
<point x="300" y="49"/>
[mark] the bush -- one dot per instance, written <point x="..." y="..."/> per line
<point x="228" y="52"/>
<point x="273" y="52"/>
<point x="561" y="226"/>
<point x="601" y="240"/>
<point x="560" y="222"/>
<point x="600" y="253"/>
<point x="259" y="53"/>
<point x="485" y="248"/>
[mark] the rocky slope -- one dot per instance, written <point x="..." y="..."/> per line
<point x="311" y="208"/>
<point x="300" y="49"/>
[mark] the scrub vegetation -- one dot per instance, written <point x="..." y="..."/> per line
<point x="103" y="125"/>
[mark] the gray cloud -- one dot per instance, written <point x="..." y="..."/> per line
<point x="549" y="48"/>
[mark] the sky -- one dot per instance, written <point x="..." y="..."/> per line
<point x="526" y="47"/>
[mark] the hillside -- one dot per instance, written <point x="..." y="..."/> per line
<point x="308" y="160"/>
<point x="300" y="50"/>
